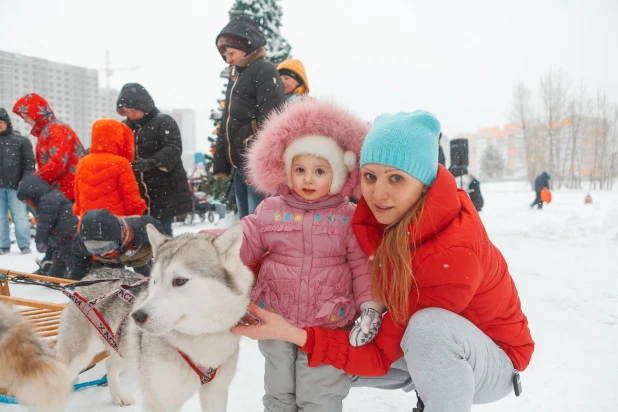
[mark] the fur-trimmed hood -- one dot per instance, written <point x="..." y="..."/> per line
<point x="266" y="162"/>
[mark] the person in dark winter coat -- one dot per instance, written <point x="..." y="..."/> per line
<point x="254" y="91"/>
<point x="16" y="161"/>
<point x="465" y="181"/>
<point x="541" y="181"/>
<point x="160" y="175"/>
<point x="114" y="241"/>
<point x="56" y="222"/>
<point x="441" y="158"/>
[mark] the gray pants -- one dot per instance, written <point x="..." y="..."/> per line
<point x="449" y="361"/>
<point x="291" y="385"/>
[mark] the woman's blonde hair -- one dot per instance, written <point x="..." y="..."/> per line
<point x="392" y="277"/>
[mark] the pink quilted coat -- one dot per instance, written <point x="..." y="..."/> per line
<point x="315" y="273"/>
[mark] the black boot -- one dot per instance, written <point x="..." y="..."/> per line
<point x="420" y="406"/>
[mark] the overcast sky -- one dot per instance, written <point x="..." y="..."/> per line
<point x="458" y="59"/>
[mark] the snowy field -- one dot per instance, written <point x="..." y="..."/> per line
<point x="564" y="260"/>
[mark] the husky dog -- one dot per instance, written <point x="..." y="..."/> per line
<point x="28" y="366"/>
<point x="198" y="290"/>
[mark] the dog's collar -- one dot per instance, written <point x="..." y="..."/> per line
<point x="206" y="374"/>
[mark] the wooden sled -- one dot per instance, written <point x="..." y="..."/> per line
<point x="44" y="316"/>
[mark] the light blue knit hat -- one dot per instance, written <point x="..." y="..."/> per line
<point x="405" y="141"/>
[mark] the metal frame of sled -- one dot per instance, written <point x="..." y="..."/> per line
<point x="44" y="316"/>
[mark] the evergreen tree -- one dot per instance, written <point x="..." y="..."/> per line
<point x="267" y="15"/>
<point x="492" y="163"/>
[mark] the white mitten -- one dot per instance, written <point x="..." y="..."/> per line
<point x="370" y="321"/>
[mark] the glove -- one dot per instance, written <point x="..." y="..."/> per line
<point x="41" y="247"/>
<point x="144" y="165"/>
<point x="370" y="321"/>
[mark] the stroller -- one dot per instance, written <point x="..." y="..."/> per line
<point x="203" y="208"/>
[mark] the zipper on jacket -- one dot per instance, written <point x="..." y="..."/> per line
<point x="141" y="175"/>
<point x="227" y="124"/>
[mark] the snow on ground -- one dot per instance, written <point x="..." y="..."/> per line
<point x="564" y="262"/>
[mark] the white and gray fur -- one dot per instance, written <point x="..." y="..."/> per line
<point x="195" y="318"/>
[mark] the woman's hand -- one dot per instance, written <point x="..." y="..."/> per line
<point x="270" y="326"/>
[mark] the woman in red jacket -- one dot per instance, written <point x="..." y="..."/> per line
<point x="454" y="330"/>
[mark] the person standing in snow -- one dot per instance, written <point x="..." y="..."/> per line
<point x="254" y="91"/>
<point x="57" y="151"/>
<point x="56" y="222"/>
<point x="469" y="183"/>
<point x="454" y="328"/>
<point x="315" y="274"/>
<point x="16" y="161"/>
<point x="58" y="148"/>
<point x="541" y="182"/>
<point x="160" y="175"/>
<point x="294" y="79"/>
<point x="104" y="179"/>
<point x="441" y="157"/>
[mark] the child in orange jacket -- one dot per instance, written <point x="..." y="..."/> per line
<point x="104" y="179"/>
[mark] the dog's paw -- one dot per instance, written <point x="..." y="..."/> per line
<point x="122" y="399"/>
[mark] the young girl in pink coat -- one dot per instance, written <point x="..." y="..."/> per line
<point x="306" y="157"/>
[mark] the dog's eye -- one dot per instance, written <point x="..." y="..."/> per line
<point x="179" y="282"/>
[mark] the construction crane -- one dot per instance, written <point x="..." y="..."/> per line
<point x="109" y="70"/>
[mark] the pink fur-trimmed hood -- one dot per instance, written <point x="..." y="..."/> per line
<point x="266" y="163"/>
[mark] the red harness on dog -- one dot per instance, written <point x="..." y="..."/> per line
<point x="88" y="308"/>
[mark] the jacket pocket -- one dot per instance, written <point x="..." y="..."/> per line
<point x="334" y="305"/>
<point x="274" y="296"/>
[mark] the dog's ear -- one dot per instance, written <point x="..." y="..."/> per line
<point x="228" y="243"/>
<point x="155" y="237"/>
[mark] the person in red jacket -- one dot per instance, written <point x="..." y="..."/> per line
<point x="58" y="148"/>
<point x="104" y="178"/>
<point x="454" y="330"/>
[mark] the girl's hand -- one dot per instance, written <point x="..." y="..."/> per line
<point x="270" y="326"/>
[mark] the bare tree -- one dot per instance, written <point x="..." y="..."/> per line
<point x="492" y="163"/>
<point x="578" y="107"/>
<point x="522" y="114"/>
<point x="602" y="149"/>
<point x="553" y="92"/>
<point x="612" y="161"/>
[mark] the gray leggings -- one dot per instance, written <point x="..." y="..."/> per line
<point x="449" y="361"/>
<point x="291" y="385"/>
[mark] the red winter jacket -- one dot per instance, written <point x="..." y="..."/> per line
<point x="456" y="268"/>
<point x="104" y="179"/>
<point x="58" y="148"/>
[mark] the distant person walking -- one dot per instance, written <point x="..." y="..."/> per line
<point x="16" y="161"/>
<point x="541" y="181"/>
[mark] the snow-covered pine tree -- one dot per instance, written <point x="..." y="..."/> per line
<point x="267" y="14"/>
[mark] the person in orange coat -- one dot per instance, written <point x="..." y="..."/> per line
<point x="104" y="179"/>
<point x="294" y="79"/>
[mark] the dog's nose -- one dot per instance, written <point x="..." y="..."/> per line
<point x="139" y="316"/>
